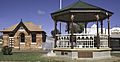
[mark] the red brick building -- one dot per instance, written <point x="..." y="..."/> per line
<point x="24" y="35"/>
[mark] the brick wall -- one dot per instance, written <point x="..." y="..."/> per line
<point x="5" y="39"/>
<point x="28" y="40"/>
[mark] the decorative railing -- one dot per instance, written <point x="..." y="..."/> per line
<point x="85" y="41"/>
<point x="81" y="41"/>
<point x="103" y="40"/>
<point x="64" y="41"/>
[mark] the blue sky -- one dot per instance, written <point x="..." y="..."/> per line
<point x="38" y="11"/>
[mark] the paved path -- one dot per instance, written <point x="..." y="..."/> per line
<point x="112" y="59"/>
<point x="115" y="51"/>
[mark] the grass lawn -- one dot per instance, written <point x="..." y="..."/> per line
<point x="37" y="56"/>
<point x="117" y="55"/>
<point x="26" y="56"/>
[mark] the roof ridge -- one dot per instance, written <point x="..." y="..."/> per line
<point x="90" y="4"/>
<point x="73" y="4"/>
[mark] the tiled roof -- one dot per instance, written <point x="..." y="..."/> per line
<point x="30" y="26"/>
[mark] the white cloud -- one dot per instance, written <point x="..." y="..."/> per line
<point x="40" y="12"/>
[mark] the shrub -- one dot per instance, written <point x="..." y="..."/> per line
<point x="7" y="50"/>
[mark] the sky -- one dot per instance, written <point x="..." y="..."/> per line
<point x="39" y="12"/>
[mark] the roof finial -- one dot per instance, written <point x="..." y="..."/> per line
<point x="21" y="20"/>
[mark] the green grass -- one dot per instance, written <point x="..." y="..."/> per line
<point x="26" y="56"/>
<point x="117" y="55"/>
<point x="34" y="56"/>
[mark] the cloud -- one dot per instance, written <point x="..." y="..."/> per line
<point x="40" y="12"/>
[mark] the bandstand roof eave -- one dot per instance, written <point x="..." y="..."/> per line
<point x="74" y="11"/>
<point x="77" y="10"/>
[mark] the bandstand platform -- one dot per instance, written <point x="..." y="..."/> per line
<point x="84" y="46"/>
<point x="84" y="53"/>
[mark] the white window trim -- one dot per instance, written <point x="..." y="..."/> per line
<point x="11" y="37"/>
<point x="33" y="43"/>
<point x="22" y="43"/>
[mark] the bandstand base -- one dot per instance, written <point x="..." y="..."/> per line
<point x="83" y="53"/>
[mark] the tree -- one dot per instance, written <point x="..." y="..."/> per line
<point x="7" y="50"/>
<point x="77" y="27"/>
<point x="81" y="27"/>
<point x="53" y="32"/>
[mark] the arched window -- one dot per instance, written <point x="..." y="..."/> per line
<point x="22" y="37"/>
<point x="34" y="37"/>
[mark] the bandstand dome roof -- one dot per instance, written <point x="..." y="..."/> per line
<point x="82" y="11"/>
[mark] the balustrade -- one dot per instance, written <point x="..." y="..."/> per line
<point x="81" y="41"/>
<point x="103" y="41"/>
